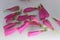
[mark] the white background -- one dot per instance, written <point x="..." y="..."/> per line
<point x="53" y="7"/>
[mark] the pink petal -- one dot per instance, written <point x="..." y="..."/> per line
<point x="48" y="24"/>
<point x="22" y="18"/>
<point x="29" y="9"/>
<point x="10" y="25"/>
<point x="57" y="21"/>
<point x="34" y="33"/>
<point x="10" y="16"/>
<point x="43" y="13"/>
<point x="35" y="21"/>
<point x="23" y="27"/>
<point x="15" y="8"/>
<point x="10" y="31"/>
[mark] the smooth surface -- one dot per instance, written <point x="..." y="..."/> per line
<point x="53" y="7"/>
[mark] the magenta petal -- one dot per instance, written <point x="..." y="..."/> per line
<point x="10" y="25"/>
<point x="57" y="21"/>
<point x="10" y="31"/>
<point x="10" y="16"/>
<point x="43" y="13"/>
<point x="15" y="8"/>
<point x="34" y="33"/>
<point x="22" y="18"/>
<point x="48" y="24"/>
<point x="29" y="9"/>
<point x="23" y="27"/>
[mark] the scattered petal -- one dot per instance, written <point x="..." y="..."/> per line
<point x="35" y="33"/>
<point x="29" y="9"/>
<point x="15" y="8"/>
<point x="11" y="16"/>
<point x="48" y="24"/>
<point x="10" y="25"/>
<point x="23" y="27"/>
<point x="43" y="13"/>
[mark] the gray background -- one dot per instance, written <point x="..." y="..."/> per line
<point x="53" y="7"/>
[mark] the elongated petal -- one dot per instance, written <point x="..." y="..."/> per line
<point x="9" y="31"/>
<point x="11" y="16"/>
<point x="48" y="24"/>
<point x="35" y="21"/>
<point x="10" y="25"/>
<point x="22" y="18"/>
<point x="14" y="8"/>
<point x="29" y="9"/>
<point x="57" y="21"/>
<point x="34" y="33"/>
<point x="23" y="27"/>
<point x="43" y="13"/>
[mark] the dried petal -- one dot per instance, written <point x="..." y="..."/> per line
<point x="57" y="21"/>
<point x="35" y="33"/>
<point x="15" y="8"/>
<point x="29" y="9"/>
<point x="43" y="13"/>
<point x="48" y="24"/>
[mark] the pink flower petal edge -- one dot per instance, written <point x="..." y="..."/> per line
<point x="34" y="33"/>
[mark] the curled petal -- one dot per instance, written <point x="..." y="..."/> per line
<point x="57" y="21"/>
<point x="29" y="9"/>
<point x="35" y="33"/>
<point x="23" y="27"/>
<point x="48" y="24"/>
<point x="15" y="8"/>
<point x="43" y="13"/>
